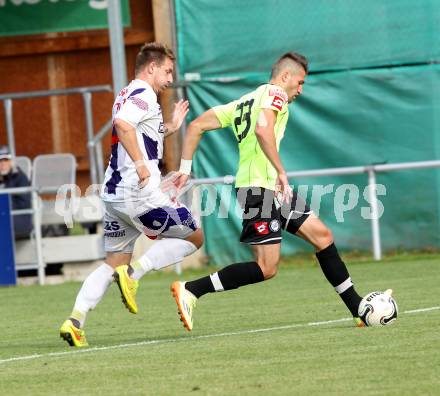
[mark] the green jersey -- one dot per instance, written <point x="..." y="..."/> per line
<point x="254" y="169"/>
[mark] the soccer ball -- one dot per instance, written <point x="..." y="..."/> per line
<point x="378" y="308"/>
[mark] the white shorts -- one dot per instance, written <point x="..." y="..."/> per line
<point x="156" y="216"/>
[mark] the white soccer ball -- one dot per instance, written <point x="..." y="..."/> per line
<point x="378" y="308"/>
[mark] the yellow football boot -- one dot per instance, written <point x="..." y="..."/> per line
<point x="127" y="286"/>
<point x="74" y="336"/>
<point x="358" y="322"/>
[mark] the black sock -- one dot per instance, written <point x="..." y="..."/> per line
<point x="231" y="277"/>
<point x="351" y="300"/>
<point x="336" y="273"/>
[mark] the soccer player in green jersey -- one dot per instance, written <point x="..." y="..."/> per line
<point x="258" y="120"/>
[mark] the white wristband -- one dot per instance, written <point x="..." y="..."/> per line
<point x="185" y="166"/>
<point x="139" y="163"/>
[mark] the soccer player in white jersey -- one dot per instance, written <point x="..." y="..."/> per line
<point x="134" y="202"/>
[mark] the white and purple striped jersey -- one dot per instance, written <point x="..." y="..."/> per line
<point x="137" y="105"/>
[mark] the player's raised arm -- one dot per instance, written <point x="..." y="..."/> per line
<point x="181" y="109"/>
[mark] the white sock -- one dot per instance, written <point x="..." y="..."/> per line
<point x="92" y="291"/>
<point x="162" y="254"/>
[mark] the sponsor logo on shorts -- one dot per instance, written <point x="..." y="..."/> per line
<point x="111" y="226"/>
<point x="189" y="222"/>
<point x="274" y="225"/>
<point x="261" y="227"/>
<point x="116" y="234"/>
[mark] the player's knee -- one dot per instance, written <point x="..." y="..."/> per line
<point x="269" y="266"/>
<point x="324" y="237"/>
<point x="115" y="259"/>
<point x="197" y="238"/>
<point x="200" y="239"/>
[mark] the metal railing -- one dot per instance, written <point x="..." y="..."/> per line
<point x="93" y="141"/>
<point x="370" y="170"/>
<point x="35" y="211"/>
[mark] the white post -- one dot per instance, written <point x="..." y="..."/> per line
<point x="9" y="125"/>
<point x="375" y="228"/>
<point x="87" y="99"/>
<point x="99" y="161"/>
<point x="38" y="239"/>
<point x="117" y="47"/>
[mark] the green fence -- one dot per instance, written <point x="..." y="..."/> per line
<point x="373" y="97"/>
<point x="43" y="16"/>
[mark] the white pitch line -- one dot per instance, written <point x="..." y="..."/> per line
<point x="200" y="337"/>
<point x="421" y="310"/>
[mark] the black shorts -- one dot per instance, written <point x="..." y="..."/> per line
<point x="264" y="217"/>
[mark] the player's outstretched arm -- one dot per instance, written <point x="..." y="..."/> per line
<point x="208" y="121"/>
<point x="205" y="122"/>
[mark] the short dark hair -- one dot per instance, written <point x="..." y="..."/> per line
<point x="152" y="52"/>
<point x="299" y="59"/>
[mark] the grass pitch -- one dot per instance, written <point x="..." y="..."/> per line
<point x="282" y="337"/>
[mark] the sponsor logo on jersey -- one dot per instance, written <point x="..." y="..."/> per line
<point x="139" y="103"/>
<point x="261" y="227"/>
<point x="123" y="92"/>
<point x="274" y="225"/>
<point x="161" y="128"/>
<point x="277" y="102"/>
<point x="278" y="92"/>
